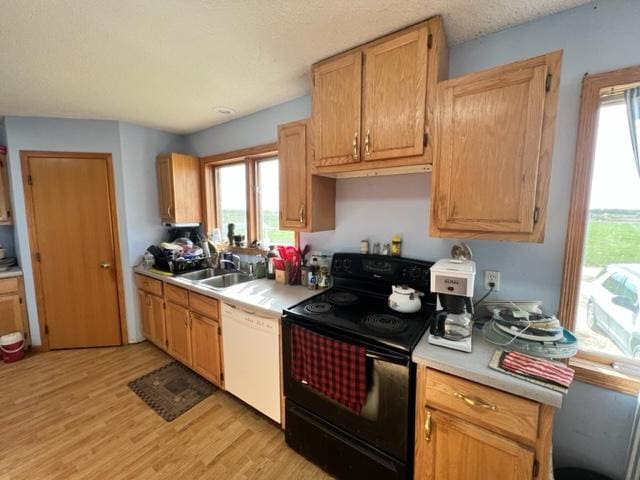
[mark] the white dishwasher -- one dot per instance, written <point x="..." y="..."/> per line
<point x="251" y="348"/>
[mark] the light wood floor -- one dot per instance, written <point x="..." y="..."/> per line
<point x="70" y="415"/>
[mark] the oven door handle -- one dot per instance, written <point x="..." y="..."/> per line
<point x="387" y="357"/>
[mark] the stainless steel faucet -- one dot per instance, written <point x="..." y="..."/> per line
<point x="236" y="266"/>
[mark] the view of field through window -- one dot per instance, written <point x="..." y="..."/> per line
<point x="231" y="191"/>
<point x="608" y="319"/>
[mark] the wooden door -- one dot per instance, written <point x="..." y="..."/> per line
<point x="165" y="189"/>
<point x="337" y="94"/>
<point x="144" y="306"/>
<point x="73" y="235"/>
<point x="205" y="342"/>
<point x="487" y="169"/>
<point x="178" y="332"/>
<point x="395" y="87"/>
<point x="292" y="156"/>
<point x="5" y="202"/>
<point x="10" y="314"/>
<point x="458" y="450"/>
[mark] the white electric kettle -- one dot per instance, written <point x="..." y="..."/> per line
<point x="405" y="299"/>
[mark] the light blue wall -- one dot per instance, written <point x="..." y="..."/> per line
<point x="133" y="150"/>
<point x="595" y="38"/>
<point x="255" y="129"/>
<point x="139" y="147"/>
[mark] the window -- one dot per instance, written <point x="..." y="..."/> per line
<point x="231" y="198"/>
<point x="242" y="188"/>
<point x="268" y="203"/>
<point x="602" y="264"/>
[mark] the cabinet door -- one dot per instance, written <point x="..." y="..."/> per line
<point x="292" y="155"/>
<point x="157" y="320"/>
<point x="144" y="306"/>
<point x="337" y="93"/>
<point x="185" y="171"/>
<point x="457" y="450"/>
<point x="10" y="314"/>
<point x="5" y="204"/>
<point x="178" y="333"/>
<point x="205" y="342"/>
<point x="495" y="133"/>
<point x="395" y="85"/>
<point x="165" y="189"/>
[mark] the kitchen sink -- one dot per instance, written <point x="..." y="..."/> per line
<point x="201" y="274"/>
<point x="224" y="281"/>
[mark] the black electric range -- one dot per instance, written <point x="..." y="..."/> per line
<point x="378" y="442"/>
<point x="365" y="315"/>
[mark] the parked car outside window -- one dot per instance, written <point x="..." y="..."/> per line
<point x="613" y="307"/>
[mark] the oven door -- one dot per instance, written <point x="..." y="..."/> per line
<point x="386" y="419"/>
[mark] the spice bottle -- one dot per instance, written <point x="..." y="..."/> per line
<point x="396" y="246"/>
<point x="271" y="269"/>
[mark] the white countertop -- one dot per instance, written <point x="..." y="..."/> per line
<point x="12" y="272"/>
<point x="474" y="366"/>
<point x="261" y="295"/>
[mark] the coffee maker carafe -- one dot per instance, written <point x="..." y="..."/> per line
<point x="452" y="323"/>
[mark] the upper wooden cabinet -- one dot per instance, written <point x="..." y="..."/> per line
<point x="307" y="202"/>
<point x="494" y="140"/>
<point x="337" y="95"/>
<point x="372" y="106"/>
<point x="395" y="87"/>
<point x="179" y="188"/>
<point x="5" y="202"/>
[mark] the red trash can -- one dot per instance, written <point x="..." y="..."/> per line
<point x="12" y="347"/>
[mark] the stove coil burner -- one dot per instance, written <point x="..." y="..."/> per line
<point x="384" y="323"/>
<point x="319" y="307"/>
<point x="342" y="298"/>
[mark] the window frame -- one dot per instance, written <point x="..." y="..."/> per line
<point x="590" y="367"/>
<point x="250" y="157"/>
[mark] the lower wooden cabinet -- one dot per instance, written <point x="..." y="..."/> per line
<point x="205" y="347"/>
<point x="467" y="431"/>
<point x="179" y="333"/>
<point x="459" y="450"/>
<point x="152" y="317"/>
<point x="184" y="324"/>
<point x="13" y="315"/>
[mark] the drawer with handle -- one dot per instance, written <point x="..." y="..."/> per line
<point x="148" y="284"/>
<point x="515" y="416"/>
<point x="8" y="285"/>
<point x="205" y="305"/>
<point x="177" y="295"/>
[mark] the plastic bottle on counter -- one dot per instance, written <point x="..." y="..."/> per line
<point x="396" y="246"/>
<point x="271" y="269"/>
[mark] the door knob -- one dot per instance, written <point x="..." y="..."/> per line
<point x="105" y="265"/>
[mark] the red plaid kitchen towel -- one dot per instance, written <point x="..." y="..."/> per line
<point x="538" y="368"/>
<point x="336" y="369"/>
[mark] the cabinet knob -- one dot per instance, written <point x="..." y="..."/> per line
<point x="301" y="213"/>
<point x="427" y="425"/>
<point x="472" y="402"/>
<point x="355" y="146"/>
<point x="105" y="265"/>
<point x="367" y="143"/>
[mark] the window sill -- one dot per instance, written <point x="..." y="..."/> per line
<point x="604" y="376"/>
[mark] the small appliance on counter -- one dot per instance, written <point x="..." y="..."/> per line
<point x="452" y="281"/>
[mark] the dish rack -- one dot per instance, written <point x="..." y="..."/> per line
<point x="166" y="262"/>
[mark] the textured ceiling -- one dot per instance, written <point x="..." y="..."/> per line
<point x="168" y="63"/>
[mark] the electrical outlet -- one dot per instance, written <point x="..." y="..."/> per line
<point x="491" y="276"/>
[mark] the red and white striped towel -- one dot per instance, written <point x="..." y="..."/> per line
<point x="537" y="368"/>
